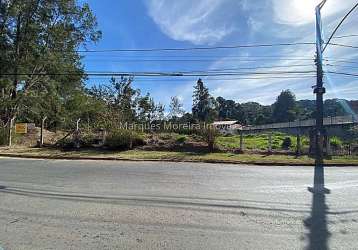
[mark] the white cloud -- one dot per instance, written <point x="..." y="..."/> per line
<point x="300" y="12"/>
<point x="199" y="22"/>
<point x="204" y="20"/>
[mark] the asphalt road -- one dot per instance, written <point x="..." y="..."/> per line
<point x="154" y="205"/>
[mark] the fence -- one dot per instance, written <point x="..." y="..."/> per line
<point x="328" y="121"/>
<point x="4" y="132"/>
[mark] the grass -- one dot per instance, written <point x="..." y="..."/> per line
<point x="174" y="156"/>
<point x="259" y="141"/>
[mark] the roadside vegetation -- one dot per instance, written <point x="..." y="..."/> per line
<point x="47" y="80"/>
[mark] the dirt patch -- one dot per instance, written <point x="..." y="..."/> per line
<point x="33" y="136"/>
<point x="174" y="142"/>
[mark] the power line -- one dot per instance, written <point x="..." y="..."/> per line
<point x="208" y="48"/>
<point x="215" y="56"/>
<point x="217" y="79"/>
<point x="338" y="60"/>
<point x="341" y="66"/>
<point x="345" y="36"/>
<point x="212" y="70"/>
<point x="342" y="73"/>
<point x="191" y="60"/>
<point x="342" y="45"/>
<point x="198" y="48"/>
<point x="340" y="23"/>
<point x="173" y="74"/>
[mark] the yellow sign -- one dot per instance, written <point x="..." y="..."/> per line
<point x="21" y="128"/>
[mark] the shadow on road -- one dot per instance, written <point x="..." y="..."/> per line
<point x="317" y="222"/>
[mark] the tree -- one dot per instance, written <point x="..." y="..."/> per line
<point x="175" y="108"/>
<point x="146" y="108"/>
<point x="285" y="109"/>
<point x="159" y="112"/>
<point x="229" y="110"/>
<point x="201" y="102"/>
<point x="125" y="98"/>
<point x="335" y="107"/>
<point x="38" y="41"/>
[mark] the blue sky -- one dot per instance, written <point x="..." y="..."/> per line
<point x="135" y="24"/>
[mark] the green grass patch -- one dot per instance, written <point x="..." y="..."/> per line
<point x="259" y="141"/>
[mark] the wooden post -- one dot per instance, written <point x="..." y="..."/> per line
<point x="270" y="142"/>
<point x="42" y="131"/>
<point x="298" y="144"/>
<point x="241" y="141"/>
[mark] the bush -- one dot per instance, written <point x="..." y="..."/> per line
<point x="123" y="139"/>
<point x="181" y="139"/>
<point x="210" y="135"/>
<point x="66" y="143"/>
<point x="87" y="140"/>
<point x="287" y="143"/>
<point x="336" y="143"/>
<point x="3" y="136"/>
<point x="165" y="136"/>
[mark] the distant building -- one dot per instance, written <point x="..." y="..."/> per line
<point x="227" y="127"/>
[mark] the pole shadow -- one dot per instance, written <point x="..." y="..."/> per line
<point x="318" y="234"/>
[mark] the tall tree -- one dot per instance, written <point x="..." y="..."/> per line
<point x="38" y="42"/>
<point x="285" y="109"/>
<point x="125" y="98"/>
<point x="201" y="102"/>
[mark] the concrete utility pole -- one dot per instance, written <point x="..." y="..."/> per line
<point x="42" y="131"/>
<point x="77" y="134"/>
<point x="319" y="90"/>
<point x="11" y="124"/>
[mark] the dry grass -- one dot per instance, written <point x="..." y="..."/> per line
<point x="173" y="156"/>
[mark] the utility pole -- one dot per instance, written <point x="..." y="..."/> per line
<point x="42" y="130"/>
<point x="319" y="90"/>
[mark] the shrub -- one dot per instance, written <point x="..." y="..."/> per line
<point x="87" y="140"/>
<point x="336" y="143"/>
<point x="123" y="139"/>
<point x="210" y="134"/>
<point x="3" y="136"/>
<point x="287" y="143"/>
<point x="181" y="139"/>
<point x="165" y="136"/>
<point x="66" y="143"/>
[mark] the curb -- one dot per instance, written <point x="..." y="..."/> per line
<point x="171" y="160"/>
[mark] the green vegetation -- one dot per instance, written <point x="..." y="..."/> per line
<point x="175" y="156"/>
<point x="181" y="138"/>
<point x="259" y="141"/>
<point x="3" y="135"/>
<point x="38" y="41"/>
<point x="43" y="75"/>
<point x="336" y="142"/>
<point x="123" y="139"/>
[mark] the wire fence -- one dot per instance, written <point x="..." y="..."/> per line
<point x="3" y="135"/>
<point x="328" y="121"/>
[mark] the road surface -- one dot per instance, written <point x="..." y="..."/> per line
<point x="54" y="204"/>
